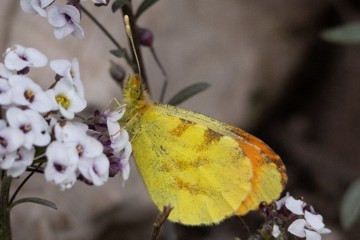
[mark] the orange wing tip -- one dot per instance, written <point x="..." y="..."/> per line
<point x="269" y="172"/>
<point x="267" y="186"/>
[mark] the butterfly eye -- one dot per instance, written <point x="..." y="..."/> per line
<point x="136" y="93"/>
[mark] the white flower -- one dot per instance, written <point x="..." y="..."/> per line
<point x="70" y="71"/>
<point x="27" y="93"/>
<point x="92" y="163"/>
<point x="65" y="97"/>
<point x="32" y="124"/>
<point x="281" y="202"/>
<point x="65" y="20"/>
<point x="311" y="227"/>
<point x="62" y="163"/>
<point x="75" y="136"/>
<point x="112" y="124"/>
<point x="10" y="140"/>
<point x="7" y="160"/>
<point x="95" y="170"/>
<point x="276" y="231"/>
<point x="22" y="159"/>
<point x="3" y="124"/>
<point x="119" y="142"/>
<point x="69" y="131"/>
<point x="35" y="6"/>
<point x="5" y="92"/>
<point x="4" y="72"/>
<point x="295" y="206"/>
<point x="20" y="58"/>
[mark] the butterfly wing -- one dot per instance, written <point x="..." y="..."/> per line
<point x="201" y="166"/>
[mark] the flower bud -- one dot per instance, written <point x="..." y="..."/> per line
<point x="117" y="73"/>
<point x="146" y="37"/>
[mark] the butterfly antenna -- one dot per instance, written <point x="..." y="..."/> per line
<point x="130" y="35"/>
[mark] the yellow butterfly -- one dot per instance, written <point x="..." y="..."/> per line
<point x="207" y="170"/>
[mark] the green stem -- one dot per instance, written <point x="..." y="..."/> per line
<point x="107" y="33"/>
<point x="5" y="225"/>
<point x="22" y="184"/>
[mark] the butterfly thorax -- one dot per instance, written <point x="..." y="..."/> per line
<point x="136" y="99"/>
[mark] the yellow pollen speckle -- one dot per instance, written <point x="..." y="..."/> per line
<point x="29" y="95"/>
<point x="63" y="101"/>
<point x="72" y="73"/>
<point x="80" y="149"/>
<point x="26" y="128"/>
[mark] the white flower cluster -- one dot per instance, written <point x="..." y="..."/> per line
<point x="64" y="18"/>
<point x="308" y="223"/>
<point x="34" y="119"/>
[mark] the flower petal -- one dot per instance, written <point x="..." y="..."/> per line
<point x="46" y="3"/>
<point x="311" y="235"/>
<point x="314" y="220"/>
<point x="95" y="169"/>
<point x="27" y="7"/>
<point x="62" y="164"/>
<point x="297" y="228"/>
<point x="295" y="206"/>
<point x="63" y="31"/>
<point x="5" y="92"/>
<point x="78" y="31"/>
<point x="13" y="62"/>
<point x="276" y="231"/>
<point x="59" y="66"/>
<point x="24" y="159"/>
<point x="70" y="11"/>
<point x="35" y="57"/>
<point x="7" y="160"/>
<point x="37" y="7"/>
<point x="14" y="139"/>
<point x="4" y="72"/>
<point x="55" y="18"/>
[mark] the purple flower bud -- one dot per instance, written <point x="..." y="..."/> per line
<point x="117" y="73"/>
<point x="146" y="37"/>
<point x="100" y="3"/>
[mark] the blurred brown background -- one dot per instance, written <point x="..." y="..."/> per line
<point x="270" y="74"/>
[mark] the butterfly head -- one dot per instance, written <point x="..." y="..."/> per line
<point x="134" y="95"/>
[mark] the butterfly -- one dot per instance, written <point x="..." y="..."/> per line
<point x="207" y="170"/>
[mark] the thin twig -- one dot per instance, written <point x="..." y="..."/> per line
<point x="157" y="60"/>
<point x="245" y="225"/>
<point x="35" y="170"/>
<point x="160" y="219"/>
<point x="22" y="184"/>
<point x="107" y="33"/>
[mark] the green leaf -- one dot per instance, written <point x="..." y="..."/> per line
<point x="120" y="53"/>
<point x="118" y="4"/>
<point x="188" y="92"/>
<point x="350" y="205"/>
<point x="36" y="200"/>
<point x="143" y="7"/>
<point x="346" y="34"/>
